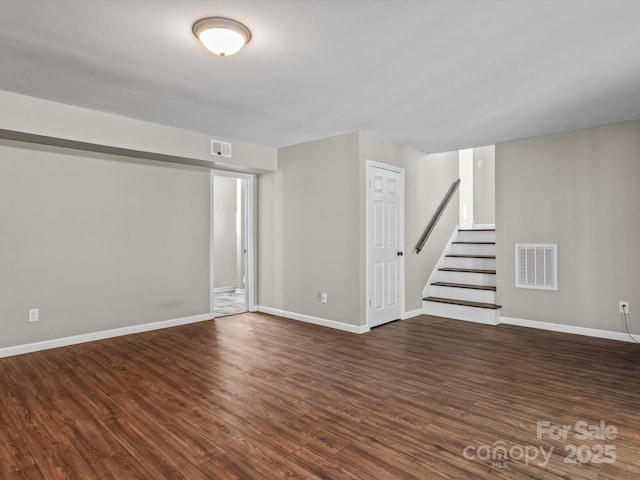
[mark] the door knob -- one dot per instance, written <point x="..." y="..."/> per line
<point x="400" y="254"/>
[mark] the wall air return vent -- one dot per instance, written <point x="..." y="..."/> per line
<point x="220" y="148"/>
<point x="537" y="266"/>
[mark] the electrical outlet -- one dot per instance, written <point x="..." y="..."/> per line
<point x="34" y="314"/>
<point x="323" y="297"/>
<point x="623" y="306"/>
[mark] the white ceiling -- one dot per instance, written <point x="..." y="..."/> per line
<point x="435" y="75"/>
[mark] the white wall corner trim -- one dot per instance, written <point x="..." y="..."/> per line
<point x="90" y="337"/>
<point x="412" y="314"/>
<point x="314" y="320"/>
<point x="557" y="327"/>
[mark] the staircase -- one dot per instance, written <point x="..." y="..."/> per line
<point x="463" y="285"/>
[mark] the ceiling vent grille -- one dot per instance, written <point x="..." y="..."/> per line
<point x="220" y="148"/>
<point x="537" y="266"/>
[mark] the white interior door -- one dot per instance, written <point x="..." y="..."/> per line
<point x="385" y="244"/>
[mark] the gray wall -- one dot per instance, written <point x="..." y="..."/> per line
<point x="270" y="237"/>
<point x="308" y="230"/>
<point x="225" y="237"/>
<point x="579" y="190"/>
<point x="98" y="243"/>
<point x="484" y="185"/>
<point x="312" y="224"/>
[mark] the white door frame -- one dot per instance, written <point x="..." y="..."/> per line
<point x="369" y="165"/>
<point x="250" y="202"/>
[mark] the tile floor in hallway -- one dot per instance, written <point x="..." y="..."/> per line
<point x="228" y="303"/>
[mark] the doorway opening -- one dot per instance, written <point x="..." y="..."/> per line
<point x="477" y="189"/>
<point x="231" y="244"/>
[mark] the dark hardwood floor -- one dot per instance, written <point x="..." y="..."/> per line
<point x="258" y="397"/>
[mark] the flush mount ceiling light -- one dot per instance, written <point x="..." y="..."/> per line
<point x="221" y="36"/>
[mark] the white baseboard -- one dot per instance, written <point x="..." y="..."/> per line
<point x="90" y="337"/>
<point x="412" y="313"/>
<point x="557" y="327"/>
<point x="118" y="332"/>
<point x="314" y="320"/>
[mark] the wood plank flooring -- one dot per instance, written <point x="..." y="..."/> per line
<point x="259" y="397"/>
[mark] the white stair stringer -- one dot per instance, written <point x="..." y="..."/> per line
<point x="446" y="290"/>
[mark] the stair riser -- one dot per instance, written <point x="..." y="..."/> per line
<point x="460" y="312"/>
<point x="476" y="263"/>
<point x="473" y="249"/>
<point x="468" y="278"/>
<point x="469" y="294"/>
<point x="476" y="236"/>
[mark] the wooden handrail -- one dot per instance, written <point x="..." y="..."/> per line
<point x="437" y="215"/>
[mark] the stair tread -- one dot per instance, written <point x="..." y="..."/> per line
<point x="464" y="303"/>
<point x="467" y="270"/>
<point x="476" y="229"/>
<point x="459" y="255"/>
<point x="464" y="285"/>
<point x="475" y="243"/>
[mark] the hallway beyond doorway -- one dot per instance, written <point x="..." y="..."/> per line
<point x="228" y="303"/>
